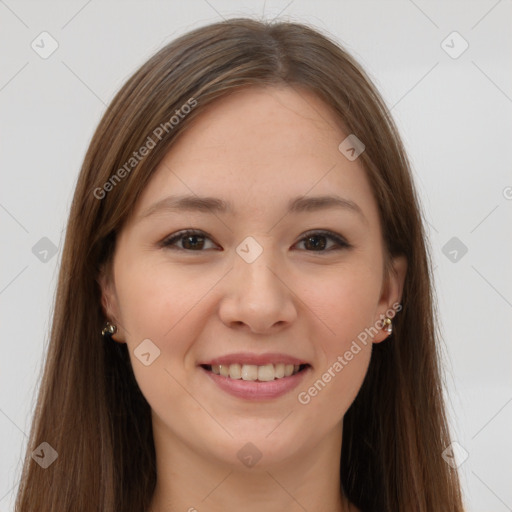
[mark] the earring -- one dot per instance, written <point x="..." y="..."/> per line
<point x="388" y="326"/>
<point x="108" y="330"/>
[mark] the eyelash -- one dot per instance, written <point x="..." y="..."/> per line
<point x="169" y="241"/>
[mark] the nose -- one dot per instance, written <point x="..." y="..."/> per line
<point x="257" y="296"/>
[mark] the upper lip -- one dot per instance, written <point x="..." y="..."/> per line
<point x="254" y="359"/>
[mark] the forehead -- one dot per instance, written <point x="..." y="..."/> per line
<point x="257" y="148"/>
<point x="278" y="120"/>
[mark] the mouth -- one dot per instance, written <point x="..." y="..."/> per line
<point x="252" y="372"/>
<point x="255" y="382"/>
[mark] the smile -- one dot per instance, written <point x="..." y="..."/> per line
<point x="252" y="372"/>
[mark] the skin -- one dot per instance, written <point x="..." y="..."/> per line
<point x="256" y="148"/>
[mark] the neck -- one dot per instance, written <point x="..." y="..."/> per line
<point x="189" y="481"/>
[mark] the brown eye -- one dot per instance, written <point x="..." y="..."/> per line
<point x="191" y="241"/>
<point x="194" y="241"/>
<point x="315" y="241"/>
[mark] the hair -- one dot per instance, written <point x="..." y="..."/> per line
<point x="90" y="408"/>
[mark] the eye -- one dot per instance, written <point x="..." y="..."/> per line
<point x="311" y="240"/>
<point x="193" y="240"/>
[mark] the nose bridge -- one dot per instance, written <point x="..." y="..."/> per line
<point x="259" y="297"/>
<point x="257" y="265"/>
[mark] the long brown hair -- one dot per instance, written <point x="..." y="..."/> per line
<point x="90" y="408"/>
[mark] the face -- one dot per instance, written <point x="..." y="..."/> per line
<point x="276" y="283"/>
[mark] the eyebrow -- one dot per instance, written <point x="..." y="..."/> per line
<point x="300" y="204"/>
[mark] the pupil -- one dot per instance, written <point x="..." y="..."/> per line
<point x="188" y="238"/>
<point x="316" y="245"/>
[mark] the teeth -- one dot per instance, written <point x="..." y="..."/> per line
<point x="249" y="372"/>
<point x="263" y="373"/>
<point x="235" y="371"/>
<point x="266" y="372"/>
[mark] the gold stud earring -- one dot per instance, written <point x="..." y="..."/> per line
<point x="108" y="330"/>
<point x="388" y="326"/>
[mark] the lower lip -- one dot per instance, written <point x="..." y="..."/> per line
<point x="256" y="390"/>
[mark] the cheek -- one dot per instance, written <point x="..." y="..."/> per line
<point x="345" y="303"/>
<point x="159" y="304"/>
<point x="344" y="356"/>
<point x="168" y="306"/>
<point x="156" y="301"/>
<point x="155" y="307"/>
<point x="344" y="300"/>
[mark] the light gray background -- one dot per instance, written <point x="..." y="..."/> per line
<point x="455" y="116"/>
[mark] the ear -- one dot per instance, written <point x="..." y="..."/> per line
<point x="110" y="303"/>
<point x="391" y="295"/>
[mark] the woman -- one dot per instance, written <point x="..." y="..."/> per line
<point x="244" y="316"/>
